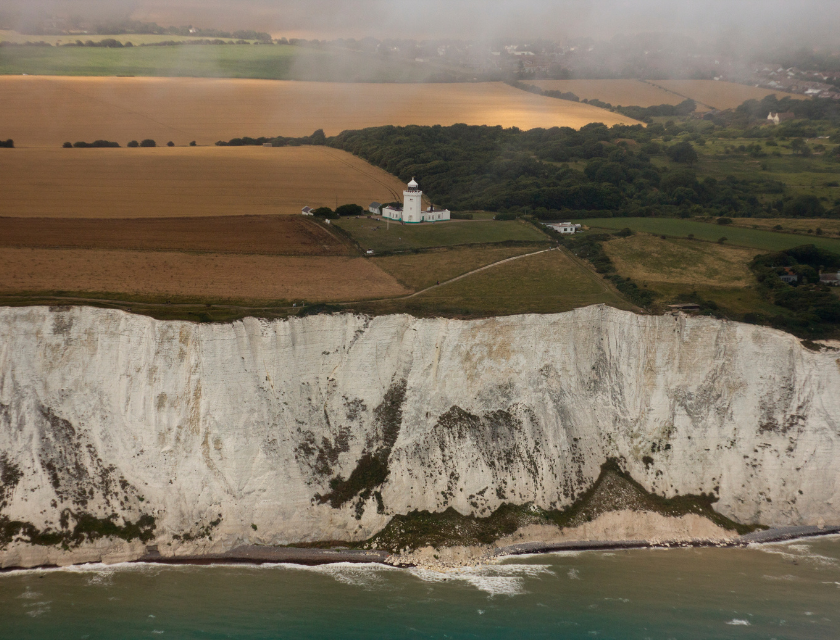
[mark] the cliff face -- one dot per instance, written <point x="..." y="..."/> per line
<point x="324" y="427"/>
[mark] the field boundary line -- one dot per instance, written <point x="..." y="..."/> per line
<point x="702" y="104"/>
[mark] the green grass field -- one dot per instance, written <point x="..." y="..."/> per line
<point x="375" y="234"/>
<point x="273" y="62"/>
<point x="133" y="38"/>
<point x="420" y="270"/>
<point x="812" y="175"/>
<point x="550" y="282"/>
<point x="753" y="238"/>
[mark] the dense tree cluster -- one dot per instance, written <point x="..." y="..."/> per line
<point x="478" y="167"/>
<point x="7" y="144"/>
<point x="802" y="109"/>
<point x="96" y="144"/>
<point x="647" y="114"/>
<point x="317" y="138"/>
<point x="813" y="309"/>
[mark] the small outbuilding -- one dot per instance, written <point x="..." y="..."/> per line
<point x="307" y="211"/>
<point x="375" y="207"/>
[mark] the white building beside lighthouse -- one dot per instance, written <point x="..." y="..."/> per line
<point x="412" y="211"/>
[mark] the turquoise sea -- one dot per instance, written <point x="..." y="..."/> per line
<point x="789" y="590"/>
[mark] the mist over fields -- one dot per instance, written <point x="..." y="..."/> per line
<point x="747" y="23"/>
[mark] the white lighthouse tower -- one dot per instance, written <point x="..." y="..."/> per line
<point x="412" y="211"/>
<point x="412" y="203"/>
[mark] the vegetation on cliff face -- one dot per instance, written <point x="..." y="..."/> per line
<point x="613" y="490"/>
<point x="87" y="528"/>
<point x="372" y="468"/>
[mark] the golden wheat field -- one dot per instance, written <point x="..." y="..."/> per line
<point x="47" y="111"/>
<point x="185" y="181"/>
<point x="717" y="94"/>
<point x="624" y="93"/>
<point x="159" y="274"/>
<point x="709" y="94"/>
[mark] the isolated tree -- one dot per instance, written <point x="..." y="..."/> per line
<point x="192" y="144"/>
<point x="67" y="145"/>
<point x="170" y="144"/>
<point x="148" y="143"/>
<point x="800" y="147"/>
<point x="805" y="206"/>
<point x="349" y="210"/>
<point x="682" y="152"/>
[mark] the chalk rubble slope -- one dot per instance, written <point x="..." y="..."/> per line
<point x="213" y="428"/>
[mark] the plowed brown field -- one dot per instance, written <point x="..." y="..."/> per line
<point x="273" y="235"/>
<point x="208" y="277"/>
<point x="185" y="181"/>
<point x="47" y="111"/>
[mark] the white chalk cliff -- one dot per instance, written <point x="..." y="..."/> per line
<point x="213" y="428"/>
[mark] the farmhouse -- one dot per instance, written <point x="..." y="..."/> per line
<point x="564" y="227"/>
<point x="412" y="211"/>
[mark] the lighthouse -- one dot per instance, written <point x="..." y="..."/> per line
<point x="412" y="211"/>
<point x="412" y="202"/>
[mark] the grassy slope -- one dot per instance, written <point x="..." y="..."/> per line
<point x="550" y="282"/>
<point x="676" y="269"/>
<point x="753" y="238"/>
<point x="420" y="270"/>
<point x="373" y="234"/>
<point x="277" y="62"/>
<point x="647" y="258"/>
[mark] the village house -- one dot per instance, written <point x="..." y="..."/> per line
<point x="789" y="276"/>
<point x="778" y="118"/>
<point x="832" y="279"/>
<point x="375" y="207"/>
<point x="412" y="211"/>
<point x="307" y="211"/>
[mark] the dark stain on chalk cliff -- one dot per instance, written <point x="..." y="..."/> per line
<point x="75" y="470"/>
<point x="92" y="500"/>
<point x="371" y="470"/>
<point x="322" y="457"/>
<point x="10" y="475"/>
